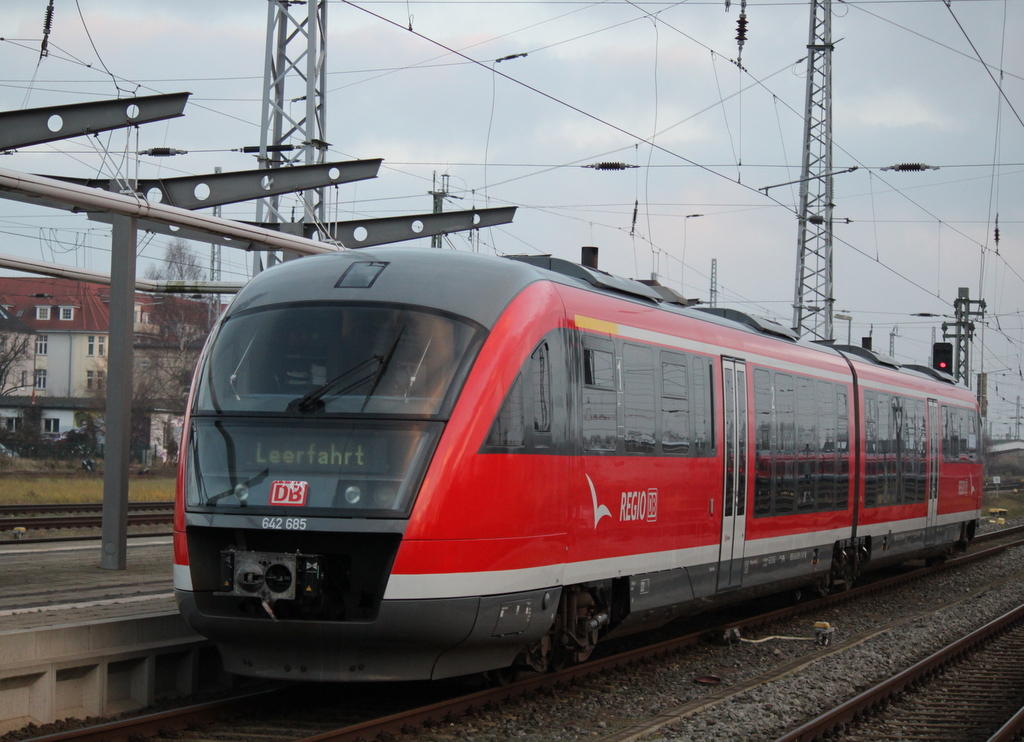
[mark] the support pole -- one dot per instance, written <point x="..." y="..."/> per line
<point x="117" y="450"/>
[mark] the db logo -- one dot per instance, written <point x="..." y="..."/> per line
<point x="289" y="493"/>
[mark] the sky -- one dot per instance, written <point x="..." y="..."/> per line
<point x="715" y="144"/>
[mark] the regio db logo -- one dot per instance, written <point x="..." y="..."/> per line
<point x="640" y="505"/>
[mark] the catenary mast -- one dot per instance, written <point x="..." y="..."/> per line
<point x="812" y="304"/>
<point x="294" y="73"/>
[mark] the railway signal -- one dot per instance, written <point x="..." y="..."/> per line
<point x="942" y="357"/>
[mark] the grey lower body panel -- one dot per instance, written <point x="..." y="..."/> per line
<point x="409" y="639"/>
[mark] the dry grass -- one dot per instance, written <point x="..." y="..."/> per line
<point x="1011" y="499"/>
<point x="20" y="490"/>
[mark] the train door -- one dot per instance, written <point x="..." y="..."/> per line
<point x="734" y="491"/>
<point x="934" y="435"/>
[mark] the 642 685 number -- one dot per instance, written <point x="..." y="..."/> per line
<point x="285" y="524"/>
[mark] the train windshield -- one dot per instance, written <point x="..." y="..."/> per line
<point x="334" y="359"/>
<point x="326" y="467"/>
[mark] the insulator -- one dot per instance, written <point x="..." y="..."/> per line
<point x="609" y="166"/>
<point x="910" y="167"/>
<point x="163" y="151"/>
<point x="270" y="148"/>
<point x="741" y="28"/>
<point x="48" y="19"/>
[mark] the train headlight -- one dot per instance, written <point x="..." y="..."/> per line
<point x="242" y="493"/>
<point x="384" y="495"/>
<point x="353" y="495"/>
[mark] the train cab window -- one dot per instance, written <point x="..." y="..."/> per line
<point x="508" y="428"/>
<point x="675" y="405"/>
<point x="638" y="398"/>
<point x="336" y="359"/>
<point x="600" y="408"/>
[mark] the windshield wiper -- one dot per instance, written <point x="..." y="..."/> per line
<point x="383" y="367"/>
<point x="241" y="490"/>
<point x="309" y="401"/>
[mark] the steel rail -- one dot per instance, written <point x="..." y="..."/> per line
<point x="86" y="520"/>
<point x="858" y="705"/>
<point x="155" y="725"/>
<point x="79" y="507"/>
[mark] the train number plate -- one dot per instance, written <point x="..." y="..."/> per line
<point x="289" y="493"/>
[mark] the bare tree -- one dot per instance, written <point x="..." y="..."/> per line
<point x="179" y="264"/>
<point x="167" y="357"/>
<point x="15" y="351"/>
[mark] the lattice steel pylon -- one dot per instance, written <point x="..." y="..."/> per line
<point x="294" y="72"/>
<point x="813" y="299"/>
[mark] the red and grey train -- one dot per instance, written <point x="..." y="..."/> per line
<point x="402" y="463"/>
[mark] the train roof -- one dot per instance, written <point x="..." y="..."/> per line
<point x="479" y="287"/>
<point x="474" y="286"/>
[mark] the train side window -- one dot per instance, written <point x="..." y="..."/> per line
<point x="785" y="464"/>
<point x="508" y="428"/>
<point x="897" y="450"/>
<point x="703" y="408"/>
<point x="971" y="428"/>
<point x="843" y="448"/>
<point x="675" y="405"/>
<point x="807" y="444"/>
<point x="827" y="465"/>
<point x="886" y="449"/>
<point x="871" y="449"/>
<point x="599" y="368"/>
<point x="918" y="451"/>
<point x="638" y="398"/>
<point x="600" y="408"/>
<point x="542" y="389"/>
<point x="764" y="437"/>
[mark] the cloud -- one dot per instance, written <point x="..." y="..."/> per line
<point x="894" y="109"/>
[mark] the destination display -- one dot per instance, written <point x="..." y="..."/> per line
<point x="239" y="464"/>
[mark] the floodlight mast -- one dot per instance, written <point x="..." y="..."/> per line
<point x="813" y="300"/>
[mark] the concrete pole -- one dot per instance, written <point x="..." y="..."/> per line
<point x="117" y="450"/>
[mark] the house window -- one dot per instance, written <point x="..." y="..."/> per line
<point x="40" y="378"/>
<point x="43" y="313"/>
<point x="51" y="425"/>
<point x="95" y="380"/>
<point x="67" y="313"/>
<point x="102" y="344"/>
<point x="41" y="344"/>
<point x="92" y="345"/>
<point x="13" y="423"/>
<point x="24" y="378"/>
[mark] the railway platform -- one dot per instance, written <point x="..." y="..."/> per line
<point x="77" y="640"/>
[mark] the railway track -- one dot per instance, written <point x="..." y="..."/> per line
<point x="970" y="691"/>
<point x="80" y="515"/>
<point x="357" y="711"/>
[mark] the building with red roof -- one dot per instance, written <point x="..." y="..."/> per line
<point x="64" y="374"/>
